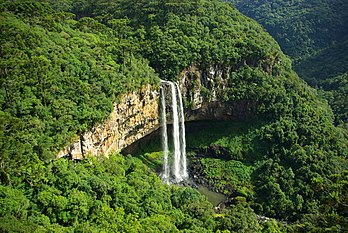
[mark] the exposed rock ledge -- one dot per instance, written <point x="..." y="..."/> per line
<point x="204" y="92"/>
<point x="137" y="113"/>
<point x="135" y="116"/>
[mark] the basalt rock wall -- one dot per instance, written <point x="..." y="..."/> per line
<point x="204" y="92"/>
<point x="133" y="117"/>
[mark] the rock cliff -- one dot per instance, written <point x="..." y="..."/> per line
<point x="137" y="113"/>
<point x="133" y="117"/>
<point x="204" y="92"/>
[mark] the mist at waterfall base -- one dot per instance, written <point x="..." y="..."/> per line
<point x="174" y="162"/>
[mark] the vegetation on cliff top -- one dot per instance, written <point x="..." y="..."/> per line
<point x="62" y="66"/>
<point x="59" y="77"/>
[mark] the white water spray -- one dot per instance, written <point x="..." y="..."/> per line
<point x="179" y="170"/>
<point x="165" y="175"/>
<point x="183" y="136"/>
<point x="176" y="135"/>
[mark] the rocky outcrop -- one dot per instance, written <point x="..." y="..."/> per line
<point x="204" y="92"/>
<point x="133" y="117"/>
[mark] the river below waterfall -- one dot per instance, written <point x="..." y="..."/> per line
<point x="213" y="197"/>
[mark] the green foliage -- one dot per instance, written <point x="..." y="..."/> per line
<point x="61" y="72"/>
<point x="59" y="77"/>
<point x="271" y="226"/>
<point x="176" y="34"/>
<point x="314" y="34"/>
<point x="205" y="133"/>
<point x="302" y="28"/>
<point x="13" y="202"/>
<point x="280" y="160"/>
<point x="295" y="141"/>
<point x="332" y="216"/>
<point x="118" y="194"/>
<point x="328" y="71"/>
<point x="335" y="91"/>
<point x="229" y="177"/>
<point x="327" y="63"/>
<point x="237" y="219"/>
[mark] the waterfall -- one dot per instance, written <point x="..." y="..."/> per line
<point x="183" y="136"/>
<point x="178" y="162"/>
<point x="165" y="175"/>
<point x="176" y="134"/>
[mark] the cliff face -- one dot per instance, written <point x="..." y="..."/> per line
<point x="204" y="92"/>
<point x="135" y="116"/>
<point x="137" y="113"/>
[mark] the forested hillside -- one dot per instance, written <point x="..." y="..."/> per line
<point x="302" y="28"/>
<point x="314" y="34"/>
<point x="328" y="71"/>
<point x="64" y="63"/>
<point x="58" y="78"/>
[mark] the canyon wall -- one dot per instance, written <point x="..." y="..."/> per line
<point x="205" y="95"/>
<point x="137" y="113"/>
<point x="133" y="117"/>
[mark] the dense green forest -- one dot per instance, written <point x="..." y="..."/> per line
<point x="302" y="28"/>
<point x="314" y="34"/>
<point x="63" y="64"/>
<point x="328" y="71"/>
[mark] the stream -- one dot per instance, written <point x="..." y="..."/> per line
<point x="213" y="197"/>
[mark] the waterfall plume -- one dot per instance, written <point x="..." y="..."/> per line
<point x="183" y="136"/>
<point x="174" y="170"/>
<point x="165" y="175"/>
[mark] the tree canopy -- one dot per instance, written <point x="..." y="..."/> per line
<point x="62" y="66"/>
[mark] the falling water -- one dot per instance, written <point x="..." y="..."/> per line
<point x="176" y="134"/>
<point x="183" y="136"/>
<point x="179" y="170"/>
<point x="165" y="175"/>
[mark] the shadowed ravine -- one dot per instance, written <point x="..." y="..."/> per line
<point x="198" y="134"/>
